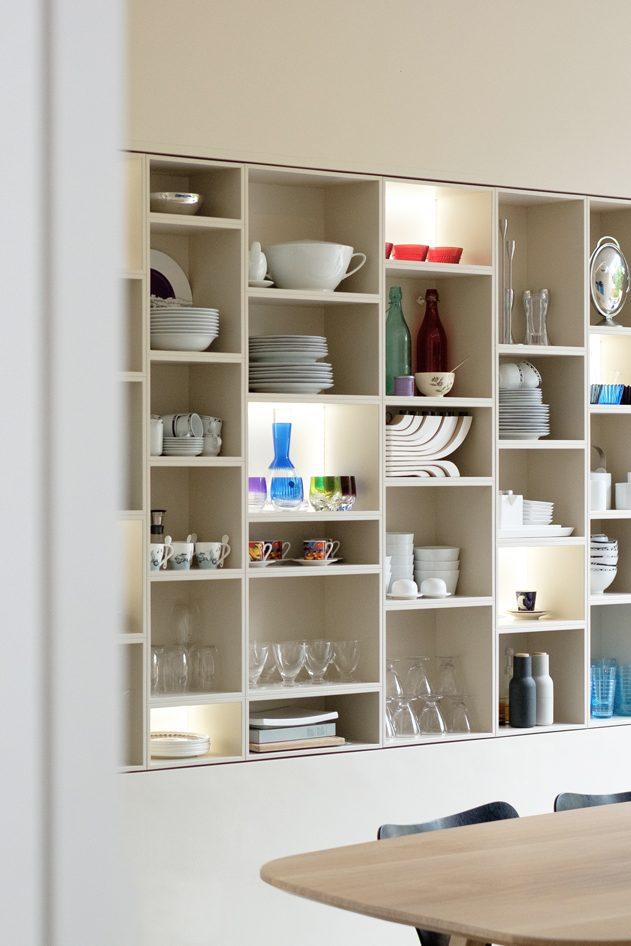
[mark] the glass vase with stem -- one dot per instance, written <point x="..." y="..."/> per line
<point x="286" y="490"/>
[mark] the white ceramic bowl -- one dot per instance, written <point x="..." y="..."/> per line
<point x="436" y="553"/>
<point x="175" y="202"/>
<point x="435" y="383"/>
<point x="450" y="579"/>
<point x="404" y="588"/>
<point x="433" y="587"/>
<point x="600" y="578"/>
<point x="310" y="264"/>
<point x="183" y="341"/>
<point x="436" y="566"/>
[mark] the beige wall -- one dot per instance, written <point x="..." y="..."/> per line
<point x="533" y="93"/>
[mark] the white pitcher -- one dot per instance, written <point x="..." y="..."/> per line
<point x="257" y="267"/>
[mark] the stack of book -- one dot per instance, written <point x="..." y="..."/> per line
<point x="286" y="727"/>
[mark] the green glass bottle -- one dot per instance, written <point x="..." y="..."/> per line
<point x="398" y="341"/>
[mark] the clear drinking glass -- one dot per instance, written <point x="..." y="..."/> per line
<point x="258" y="655"/>
<point x="203" y="667"/>
<point x="157" y="669"/>
<point x="447" y="676"/>
<point x="318" y="656"/>
<point x="413" y="674"/>
<point x="348" y="489"/>
<point x="623" y="691"/>
<point x="404" y="721"/>
<point x="176" y="675"/>
<point x="430" y="718"/>
<point x="257" y="492"/>
<point x="536" y="309"/>
<point x="455" y="714"/>
<point x="603" y="687"/>
<point x="290" y="659"/>
<point x="346" y="658"/>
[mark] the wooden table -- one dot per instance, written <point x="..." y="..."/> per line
<point x="557" y="878"/>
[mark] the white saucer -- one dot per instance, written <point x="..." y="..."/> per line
<point x="446" y="595"/>
<point x="316" y="561"/>
<point x="404" y="597"/>
<point x="261" y="283"/>
<point x="528" y="615"/>
<point x="265" y="562"/>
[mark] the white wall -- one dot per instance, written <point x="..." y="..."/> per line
<point x="494" y="92"/>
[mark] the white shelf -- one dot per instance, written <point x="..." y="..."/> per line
<point x="201" y="574"/>
<point x="305" y="571"/>
<point x="305" y="515"/>
<point x="434" y="738"/>
<point x="209" y="759"/>
<point x="612" y="721"/>
<point x="323" y="750"/>
<point x="181" y="223"/>
<point x="545" y="542"/>
<point x="541" y="351"/>
<point x="193" y="699"/>
<point x="449" y="403"/>
<point x="306" y="689"/>
<point x="311" y="297"/>
<point x="195" y="358"/>
<point x="537" y="627"/>
<point x="610" y="514"/>
<point x="395" y="267"/>
<point x="609" y="598"/>
<point x="541" y="444"/>
<point x="313" y="398"/>
<point x="430" y="604"/>
<point x="433" y="481"/>
<point x="194" y="462"/>
<point x="556" y="727"/>
<point x="610" y="408"/>
<point x="613" y="330"/>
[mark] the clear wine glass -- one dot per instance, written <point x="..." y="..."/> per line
<point x="447" y="676"/>
<point x="318" y="656"/>
<point x="259" y="652"/>
<point x="430" y="718"/>
<point x="346" y="658"/>
<point x="203" y="659"/>
<point x="404" y="721"/>
<point x="459" y="721"/>
<point x="157" y="669"/>
<point x="290" y="659"/>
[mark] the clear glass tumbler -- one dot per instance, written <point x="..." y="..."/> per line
<point x="346" y="658"/>
<point x="536" y="309"/>
<point x="603" y="687"/>
<point x="203" y="669"/>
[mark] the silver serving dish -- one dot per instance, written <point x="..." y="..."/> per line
<point x="175" y="202"/>
<point x="608" y="278"/>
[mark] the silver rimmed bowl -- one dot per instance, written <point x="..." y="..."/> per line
<point x="175" y="202"/>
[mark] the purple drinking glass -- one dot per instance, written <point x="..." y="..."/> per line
<point x="257" y="492"/>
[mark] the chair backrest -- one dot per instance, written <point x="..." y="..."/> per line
<point x="567" y="801"/>
<point x="493" y="811"/>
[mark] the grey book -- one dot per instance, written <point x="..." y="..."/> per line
<point x="292" y="732"/>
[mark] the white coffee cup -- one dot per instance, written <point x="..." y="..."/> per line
<point x="159" y="555"/>
<point x="600" y="490"/>
<point x="623" y="494"/>
<point x="183" y="425"/>
<point x="404" y="588"/>
<point x="434" y="588"/>
<point x="211" y="554"/>
<point x="182" y="556"/>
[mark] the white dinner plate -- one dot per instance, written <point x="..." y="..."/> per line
<point x="166" y="267"/>
<point x="289" y="388"/>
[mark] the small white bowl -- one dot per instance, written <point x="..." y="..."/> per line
<point x="600" y="579"/>
<point x="437" y="553"/>
<point x="449" y="578"/>
<point x="436" y="566"/>
<point x="404" y="588"/>
<point x="435" y="383"/>
<point x="434" y="588"/>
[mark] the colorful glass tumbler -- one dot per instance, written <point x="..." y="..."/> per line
<point x="286" y="491"/>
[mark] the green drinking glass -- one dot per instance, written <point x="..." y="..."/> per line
<point x="322" y="491"/>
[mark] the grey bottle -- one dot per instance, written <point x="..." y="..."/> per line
<point x="522" y="694"/>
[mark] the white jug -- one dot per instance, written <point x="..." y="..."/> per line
<point x="257" y="267"/>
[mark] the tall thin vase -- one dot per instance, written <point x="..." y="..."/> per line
<point x="536" y="309"/>
<point x="286" y="490"/>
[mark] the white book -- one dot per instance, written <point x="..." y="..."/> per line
<point x="290" y="716"/>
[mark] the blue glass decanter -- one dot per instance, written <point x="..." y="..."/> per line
<point x="286" y="490"/>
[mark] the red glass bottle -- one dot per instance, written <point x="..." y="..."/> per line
<point x="431" y="341"/>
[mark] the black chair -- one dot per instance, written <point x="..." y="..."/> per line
<point x="569" y="801"/>
<point x="494" y="811"/>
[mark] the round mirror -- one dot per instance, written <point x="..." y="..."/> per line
<point x="609" y="278"/>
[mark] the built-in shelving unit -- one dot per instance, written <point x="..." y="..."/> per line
<point x="342" y="432"/>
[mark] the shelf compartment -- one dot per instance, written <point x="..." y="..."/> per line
<point x="358" y="720"/>
<point x="334" y="607"/>
<point x="465" y="307"/>
<point x="179" y="223"/>
<point x="563" y="388"/>
<point x="132" y="567"/>
<point x="434" y="604"/>
<point x="359" y="543"/>
<point x="325" y="439"/>
<point x="212" y="261"/>
<point x="303" y="298"/>
<point x="567" y="668"/>
<point x="550" y="476"/>
<point x="550" y="252"/>
<point x="131" y="744"/>
<point x="620" y="530"/>
<point x="219" y="184"/>
<point x="131" y="447"/>
<point x="441" y="215"/>
<point x="556" y="574"/>
<point x="610" y="636"/>
<point x="610" y="363"/>
<point x="290" y="205"/>
<point x="278" y="692"/>
<point x="461" y="518"/>
<point x="467" y="634"/>
<point x="222" y="721"/>
<point x="214" y="390"/>
<point x="352" y="333"/>
<point x="610" y="432"/>
<point x="205" y="501"/>
<point x="610" y="218"/>
<point x="474" y="458"/>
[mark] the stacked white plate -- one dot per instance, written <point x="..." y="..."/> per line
<point x="437" y="561"/>
<point x="523" y="416"/>
<point x="178" y="745"/>
<point x="537" y="513"/>
<point x="288" y="364"/>
<point x="417" y="443"/>
<point x="400" y="549"/>
<point x="182" y="446"/>
<point x="183" y="328"/>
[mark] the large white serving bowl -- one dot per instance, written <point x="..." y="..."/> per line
<point x="310" y="264"/>
<point x="600" y="577"/>
<point x="436" y="553"/>
<point x="184" y="341"/>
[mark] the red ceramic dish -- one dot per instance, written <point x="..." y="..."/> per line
<point x="410" y="251"/>
<point x="389" y="249"/>
<point x="444" y="254"/>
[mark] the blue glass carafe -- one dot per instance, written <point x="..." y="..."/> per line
<point x="286" y="491"/>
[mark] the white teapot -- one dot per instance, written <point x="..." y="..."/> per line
<point x="257" y="267"/>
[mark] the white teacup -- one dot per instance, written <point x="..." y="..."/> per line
<point x="182" y="556"/>
<point x="404" y="588"/>
<point x="212" y="554"/>
<point x="159" y="555"/>
<point x="434" y="588"/>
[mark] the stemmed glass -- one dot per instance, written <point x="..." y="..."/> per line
<point x="455" y="713"/>
<point x="430" y="718"/>
<point x="203" y="666"/>
<point x="447" y="676"/>
<point x="290" y="659"/>
<point x="346" y="658"/>
<point x="258" y="655"/>
<point x="318" y="656"/>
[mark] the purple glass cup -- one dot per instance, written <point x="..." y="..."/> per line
<point x="257" y="492"/>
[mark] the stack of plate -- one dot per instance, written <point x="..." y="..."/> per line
<point x="417" y="444"/>
<point x="603" y="562"/>
<point x="178" y="745"/>
<point x="522" y="415"/>
<point x="538" y="513"/>
<point x="288" y="364"/>
<point x="182" y="446"/>
<point x="182" y="327"/>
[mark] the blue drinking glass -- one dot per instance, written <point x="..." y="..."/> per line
<point x="286" y="490"/>
<point x="603" y="687"/>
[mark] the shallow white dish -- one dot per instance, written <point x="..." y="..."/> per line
<point x="316" y="561"/>
<point x="260" y="283"/>
<point x="404" y="597"/>
<point x="181" y="341"/>
<point x="178" y="745"/>
<point x="527" y="615"/>
<point x="265" y="562"/>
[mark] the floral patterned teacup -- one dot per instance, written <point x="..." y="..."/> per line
<point x="212" y="554"/>
<point x="319" y="549"/>
<point x="182" y="556"/>
<point x="280" y="548"/>
<point x="259" y="551"/>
